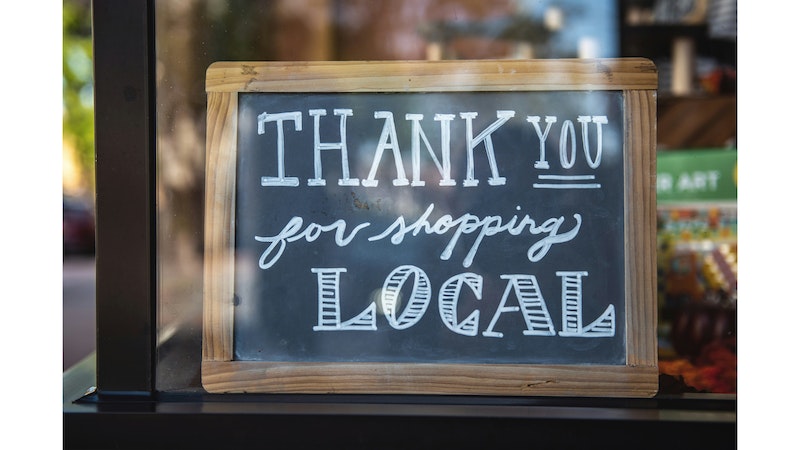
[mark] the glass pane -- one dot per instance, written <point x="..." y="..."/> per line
<point x="192" y="34"/>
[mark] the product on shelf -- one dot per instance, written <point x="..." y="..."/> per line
<point x="697" y="265"/>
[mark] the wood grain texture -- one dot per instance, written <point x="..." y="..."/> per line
<point x="464" y="379"/>
<point x="696" y="122"/>
<point x="440" y="76"/>
<point x="637" y="78"/>
<point x="640" y="226"/>
<point x="219" y="229"/>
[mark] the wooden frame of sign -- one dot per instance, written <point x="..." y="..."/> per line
<point x="635" y="375"/>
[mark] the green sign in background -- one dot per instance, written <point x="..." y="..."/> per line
<point x="696" y="175"/>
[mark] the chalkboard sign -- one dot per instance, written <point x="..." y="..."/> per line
<point x="482" y="227"/>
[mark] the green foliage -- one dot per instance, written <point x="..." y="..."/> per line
<point x="78" y="85"/>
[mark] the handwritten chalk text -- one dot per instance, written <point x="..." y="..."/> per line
<point x="461" y="227"/>
<point x="388" y="141"/>
<point x="530" y="303"/>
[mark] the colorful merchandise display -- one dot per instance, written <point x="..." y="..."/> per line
<point x="697" y="269"/>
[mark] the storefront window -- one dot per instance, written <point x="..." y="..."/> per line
<point x="192" y="34"/>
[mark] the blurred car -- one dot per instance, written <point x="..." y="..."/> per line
<point x="79" y="228"/>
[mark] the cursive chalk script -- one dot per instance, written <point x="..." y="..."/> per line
<point x="466" y="225"/>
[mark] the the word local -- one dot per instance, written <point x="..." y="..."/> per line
<point x="530" y="303"/>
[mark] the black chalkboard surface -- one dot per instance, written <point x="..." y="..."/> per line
<point x="482" y="227"/>
<point x="514" y="238"/>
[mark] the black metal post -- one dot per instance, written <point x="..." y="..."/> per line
<point x="125" y="203"/>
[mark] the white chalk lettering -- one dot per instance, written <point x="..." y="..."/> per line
<point x="461" y="233"/>
<point x="594" y="163"/>
<point x="567" y="182"/>
<point x="291" y="232"/>
<point x="572" y="309"/>
<point x="567" y="144"/>
<point x="567" y="134"/>
<point x="418" y="135"/>
<point x="341" y="146"/>
<point x="417" y="304"/>
<point x="448" y="303"/>
<point x="567" y="148"/>
<point x="329" y="311"/>
<point x="467" y="224"/>
<point x="281" y="179"/>
<point x="484" y="136"/>
<point x="482" y="227"/>
<point x="542" y="163"/>
<point x="388" y="140"/>
<point x="530" y="302"/>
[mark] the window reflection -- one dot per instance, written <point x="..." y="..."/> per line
<point x="192" y="34"/>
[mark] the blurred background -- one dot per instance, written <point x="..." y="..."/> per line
<point x="78" y="183"/>
<point x="693" y="43"/>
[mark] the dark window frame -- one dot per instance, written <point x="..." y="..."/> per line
<point x="125" y="143"/>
